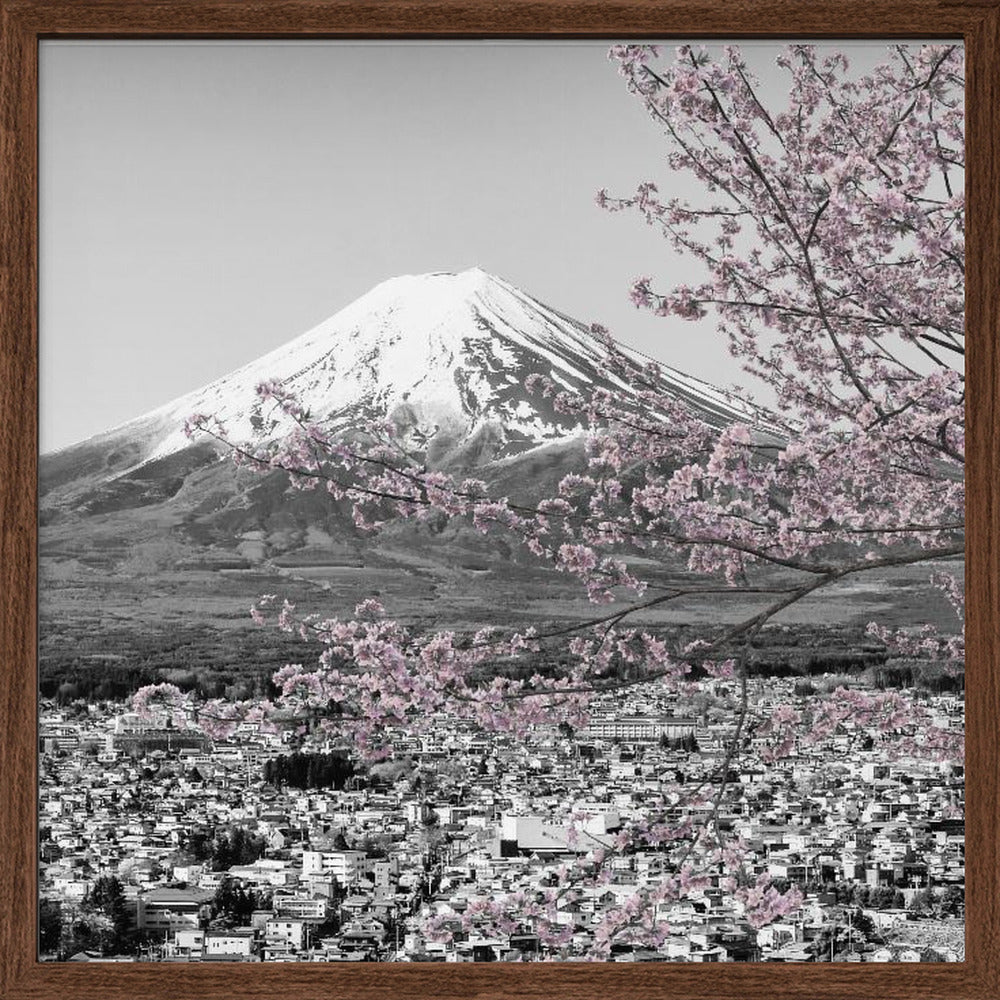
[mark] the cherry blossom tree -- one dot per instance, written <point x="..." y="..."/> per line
<point x="830" y="232"/>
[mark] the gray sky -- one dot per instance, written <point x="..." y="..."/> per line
<point x="202" y="203"/>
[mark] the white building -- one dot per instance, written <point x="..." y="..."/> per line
<point x="234" y="944"/>
<point x="640" y="728"/>
<point x="286" y="930"/>
<point x="344" y="866"/>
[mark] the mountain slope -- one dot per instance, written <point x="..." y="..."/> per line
<point x="444" y="355"/>
<point x="446" y="352"/>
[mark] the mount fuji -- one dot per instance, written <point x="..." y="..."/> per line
<point x="447" y="353"/>
<point x="445" y="356"/>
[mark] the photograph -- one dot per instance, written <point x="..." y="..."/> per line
<point x="501" y="500"/>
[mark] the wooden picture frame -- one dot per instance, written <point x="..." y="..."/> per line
<point x="24" y="23"/>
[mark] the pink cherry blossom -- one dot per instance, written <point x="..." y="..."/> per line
<point x="829" y="230"/>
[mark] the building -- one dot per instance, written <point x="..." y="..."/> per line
<point x="344" y="866"/>
<point x="640" y="728"/>
<point x="301" y="908"/>
<point x="286" y="931"/>
<point x="229" y="946"/>
<point x="538" y="835"/>
<point x="134" y="735"/>
<point x="173" y="909"/>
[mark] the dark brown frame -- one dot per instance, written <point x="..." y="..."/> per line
<point x="23" y="23"/>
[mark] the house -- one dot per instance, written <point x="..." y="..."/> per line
<point x="229" y="946"/>
<point x="170" y="909"/>
<point x="290" y="931"/>
<point x="188" y="944"/>
<point x="344" y="866"/>
<point x="363" y="934"/>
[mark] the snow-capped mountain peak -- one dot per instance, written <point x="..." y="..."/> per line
<point x="446" y="352"/>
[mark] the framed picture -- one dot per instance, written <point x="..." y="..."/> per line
<point x="484" y="499"/>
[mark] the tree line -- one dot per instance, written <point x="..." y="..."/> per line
<point x="303" y="769"/>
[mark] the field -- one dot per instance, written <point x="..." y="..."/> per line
<point x="141" y="608"/>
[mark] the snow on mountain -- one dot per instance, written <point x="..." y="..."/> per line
<point x="444" y="351"/>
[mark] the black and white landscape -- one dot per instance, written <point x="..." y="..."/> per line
<point x="153" y="548"/>
<point x="159" y="842"/>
